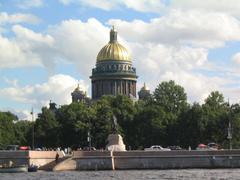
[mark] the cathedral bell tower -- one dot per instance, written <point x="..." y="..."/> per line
<point x="114" y="73"/>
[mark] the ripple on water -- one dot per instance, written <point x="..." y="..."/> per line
<point x="186" y="174"/>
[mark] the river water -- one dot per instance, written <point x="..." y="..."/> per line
<point x="201" y="174"/>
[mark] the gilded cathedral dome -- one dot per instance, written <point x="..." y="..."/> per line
<point x="113" y="50"/>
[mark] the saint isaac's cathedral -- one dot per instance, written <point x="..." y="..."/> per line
<point x="113" y="74"/>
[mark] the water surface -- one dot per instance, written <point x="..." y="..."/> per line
<point x="198" y="174"/>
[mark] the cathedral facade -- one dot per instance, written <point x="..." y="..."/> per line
<point x="114" y="73"/>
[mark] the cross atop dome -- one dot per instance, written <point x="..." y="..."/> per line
<point x="113" y="35"/>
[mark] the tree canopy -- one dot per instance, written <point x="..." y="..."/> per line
<point x="166" y="118"/>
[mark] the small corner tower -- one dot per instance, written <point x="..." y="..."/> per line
<point x="78" y="95"/>
<point x="144" y="93"/>
<point x="52" y="106"/>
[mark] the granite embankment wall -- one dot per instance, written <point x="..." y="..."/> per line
<point x="106" y="160"/>
<point x="44" y="159"/>
<point x="154" y="160"/>
<point x="17" y="157"/>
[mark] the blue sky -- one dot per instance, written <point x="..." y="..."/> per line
<point x="47" y="47"/>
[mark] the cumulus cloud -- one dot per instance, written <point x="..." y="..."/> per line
<point x="202" y="29"/>
<point x="145" y="5"/>
<point x="72" y="41"/>
<point x="140" y="5"/>
<point x="227" y="6"/>
<point x="236" y="58"/>
<point x="79" y="42"/>
<point x="12" y="55"/>
<point x="173" y="46"/>
<point x="58" y="88"/>
<point x="101" y="4"/>
<point x="157" y="63"/>
<point x="161" y="6"/>
<point x="12" y="82"/>
<point x="6" y="18"/>
<point x="26" y="4"/>
<point x="26" y="49"/>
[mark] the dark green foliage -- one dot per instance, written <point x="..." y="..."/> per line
<point x="74" y="120"/>
<point x="7" y="133"/>
<point x="171" y="97"/>
<point x="165" y="118"/>
<point x="45" y="129"/>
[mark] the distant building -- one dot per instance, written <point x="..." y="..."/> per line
<point x="144" y="93"/>
<point x="114" y="73"/>
<point x="52" y="106"/>
<point x="80" y="96"/>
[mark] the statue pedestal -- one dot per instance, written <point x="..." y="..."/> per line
<point x="115" y="143"/>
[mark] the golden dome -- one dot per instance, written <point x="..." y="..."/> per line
<point x="113" y="50"/>
<point x="144" y="88"/>
<point x="77" y="88"/>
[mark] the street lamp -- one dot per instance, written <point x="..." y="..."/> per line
<point x="89" y="140"/>
<point x="32" y="129"/>
<point x="229" y="136"/>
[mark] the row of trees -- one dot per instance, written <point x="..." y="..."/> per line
<point x="165" y="118"/>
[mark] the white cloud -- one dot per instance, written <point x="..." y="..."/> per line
<point x="73" y="41"/>
<point x="157" y="63"/>
<point x="6" y="18"/>
<point x="173" y="46"/>
<point x="236" y="58"/>
<point x="161" y="6"/>
<point x="26" y="4"/>
<point x="58" y="88"/>
<point x="79" y="42"/>
<point x="139" y="5"/>
<point x="197" y="86"/>
<point x="11" y="82"/>
<point x="26" y="49"/>
<point x="197" y="28"/>
<point x="145" y="5"/>
<point x="65" y="2"/>
<point x="12" y="55"/>
<point x="227" y="6"/>
<point x="101" y="4"/>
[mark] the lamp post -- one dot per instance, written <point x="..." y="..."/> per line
<point x="229" y="136"/>
<point x="32" y="129"/>
<point x="89" y="140"/>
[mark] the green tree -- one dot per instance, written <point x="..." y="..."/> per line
<point x="171" y="97"/>
<point x="173" y="100"/>
<point x="102" y="121"/>
<point x="149" y="127"/>
<point x="7" y="134"/>
<point x="234" y="117"/>
<point x="46" y="129"/>
<point x="74" y="122"/>
<point x="215" y="116"/>
<point x="23" y="132"/>
<point x="192" y="127"/>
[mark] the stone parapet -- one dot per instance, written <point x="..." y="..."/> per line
<point x="108" y="160"/>
<point x="157" y="160"/>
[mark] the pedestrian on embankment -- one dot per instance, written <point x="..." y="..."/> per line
<point x="56" y="158"/>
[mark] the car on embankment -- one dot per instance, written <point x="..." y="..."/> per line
<point x="12" y="147"/>
<point x="157" y="148"/>
<point x="175" y="148"/>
